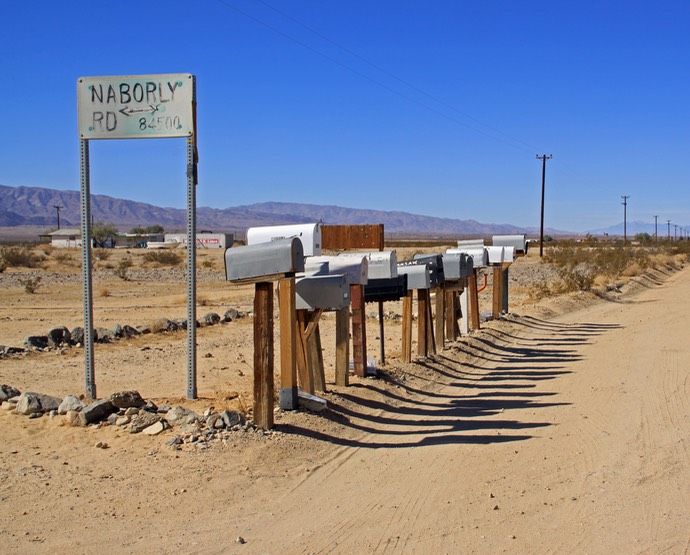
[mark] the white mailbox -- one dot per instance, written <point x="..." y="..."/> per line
<point x="264" y="261"/>
<point x="356" y="268"/>
<point x="330" y="292"/>
<point x="518" y="242"/>
<point x="496" y="254"/>
<point x="309" y="234"/>
<point x="509" y="254"/>
<point x="480" y="258"/>
<point x="418" y="276"/>
<point x="465" y="244"/>
<point x="382" y="264"/>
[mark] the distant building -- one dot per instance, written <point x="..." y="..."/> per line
<point x="67" y="237"/>
<point x="203" y="239"/>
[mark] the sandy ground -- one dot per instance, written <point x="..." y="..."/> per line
<point x="563" y="428"/>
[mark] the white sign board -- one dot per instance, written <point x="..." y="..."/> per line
<point x="136" y="106"/>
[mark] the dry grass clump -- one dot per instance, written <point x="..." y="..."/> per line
<point x="16" y="256"/>
<point x="163" y="258"/>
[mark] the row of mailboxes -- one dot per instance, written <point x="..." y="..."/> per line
<point x="518" y="242"/>
<point x="382" y="264"/>
<point x="264" y="261"/>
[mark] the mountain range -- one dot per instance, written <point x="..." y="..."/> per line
<point x="37" y="206"/>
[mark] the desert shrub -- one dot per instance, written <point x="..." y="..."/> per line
<point x="104" y="292"/>
<point x="121" y="270"/>
<point x="102" y="254"/>
<point x="163" y="257"/>
<point x="64" y="258"/>
<point x="538" y="291"/>
<point x="31" y="284"/>
<point x="208" y="264"/>
<point x="14" y="256"/>
<point x="575" y="279"/>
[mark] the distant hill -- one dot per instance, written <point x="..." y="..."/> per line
<point x="633" y="228"/>
<point x="35" y="206"/>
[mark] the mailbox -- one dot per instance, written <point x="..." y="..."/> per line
<point x="356" y="268"/>
<point x="330" y="292"/>
<point x="264" y="261"/>
<point x="509" y="254"/>
<point x="382" y="264"/>
<point x="309" y="234"/>
<point x="465" y="244"/>
<point x="314" y="267"/>
<point x="496" y="254"/>
<point x="435" y="264"/>
<point x="457" y="265"/>
<point x="479" y="256"/>
<point x="418" y="276"/>
<point x="519" y="242"/>
<point x="386" y="289"/>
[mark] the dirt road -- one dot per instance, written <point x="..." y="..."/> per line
<point x="567" y="435"/>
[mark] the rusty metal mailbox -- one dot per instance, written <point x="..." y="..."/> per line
<point x="264" y="261"/>
<point x="309" y="234"/>
<point x="418" y="276"/>
<point x="356" y="268"/>
<point x="331" y="292"/>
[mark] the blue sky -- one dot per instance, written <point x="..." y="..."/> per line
<point x="436" y="108"/>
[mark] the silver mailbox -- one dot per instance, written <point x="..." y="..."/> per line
<point x="382" y="264"/>
<point x="509" y="254"/>
<point x="435" y="264"/>
<point x="315" y="268"/>
<point x="356" y="268"/>
<point x="264" y="261"/>
<point x="309" y="234"/>
<point x="465" y="244"/>
<point x="479" y="256"/>
<point x="457" y="265"/>
<point x="330" y="292"/>
<point x="519" y="242"/>
<point x="418" y="276"/>
<point x="496" y="254"/>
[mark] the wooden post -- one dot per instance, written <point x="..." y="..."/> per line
<point x="474" y="301"/>
<point x="287" y="396"/>
<point x="504" y="307"/>
<point x="342" y="347"/>
<point x="407" y="327"/>
<point x="465" y="310"/>
<point x="497" y="292"/>
<point x="304" y="375"/>
<point x="263" y="355"/>
<point x="382" y="331"/>
<point x="422" y="322"/>
<point x="359" y="332"/>
<point x="441" y="308"/>
<point x="431" y="343"/>
<point x="451" y="315"/>
<point x="315" y="357"/>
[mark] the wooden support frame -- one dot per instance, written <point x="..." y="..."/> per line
<point x="288" y="394"/>
<point x="474" y="301"/>
<point x="425" y="329"/>
<point x="263" y="355"/>
<point x="359" y="330"/>
<point x="497" y="286"/>
<point x="342" y="347"/>
<point x="309" y="360"/>
<point x="407" y="327"/>
<point x="439" y="321"/>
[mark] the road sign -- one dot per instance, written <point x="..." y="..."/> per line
<point x="136" y="106"/>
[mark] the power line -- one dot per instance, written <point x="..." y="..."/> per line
<point x="374" y="81"/>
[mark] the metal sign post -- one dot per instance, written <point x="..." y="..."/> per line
<point x="138" y="107"/>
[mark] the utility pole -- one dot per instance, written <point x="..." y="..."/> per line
<point x="58" y="214"/>
<point x="668" y="223"/>
<point x="675" y="232"/>
<point x="656" y="235"/>
<point x="543" y="159"/>
<point x="625" y="218"/>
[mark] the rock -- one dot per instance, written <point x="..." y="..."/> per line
<point x="117" y="331"/>
<point x="70" y="403"/>
<point x="142" y="421"/>
<point x="30" y="403"/>
<point x="178" y="416"/>
<point x="127" y="399"/>
<point x="7" y="392"/>
<point x="36" y="415"/>
<point x="112" y="418"/>
<point x="73" y="418"/>
<point x="310" y="402"/>
<point x="59" y="336"/>
<point x="104" y="335"/>
<point x="129" y="331"/>
<point x="231" y="418"/>
<point x="150" y="406"/>
<point x="131" y="411"/>
<point x="4" y="350"/>
<point x="36" y="342"/>
<point x="95" y="412"/>
<point x="154" y="429"/>
<point x="231" y="314"/>
<point x="169" y="325"/>
<point x="78" y="335"/>
<point x="211" y="319"/>
<point x="212" y="419"/>
<point x="101" y="445"/>
<point x="123" y="420"/>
